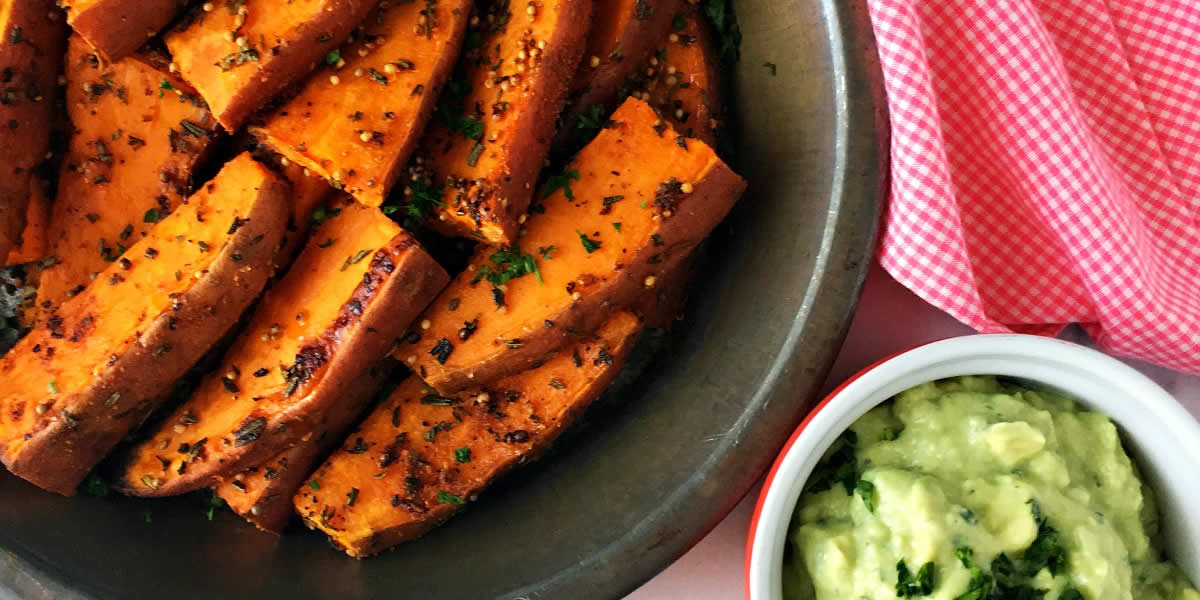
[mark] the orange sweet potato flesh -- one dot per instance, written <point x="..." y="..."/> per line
<point x="283" y="42"/>
<point x="115" y="28"/>
<point x="685" y="86"/>
<point x="262" y="494"/>
<point x="419" y="456"/>
<point x="77" y="384"/>
<point x="308" y="193"/>
<point x="487" y="159"/>
<point x="357" y="121"/>
<point x="353" y="290"/>
<point x="139" y="133"/>
<point x="31" y="245"/>
<point x="623" y="34"/>
<point x="666" y="192"/>
<point x="30" y="55"/>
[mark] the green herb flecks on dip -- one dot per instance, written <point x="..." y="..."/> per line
<point x="974" y="489"/>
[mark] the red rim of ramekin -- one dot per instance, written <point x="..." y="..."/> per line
<point x="762" y="495"/>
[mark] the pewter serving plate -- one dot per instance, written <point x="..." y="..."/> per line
<point x="657" y="463"/>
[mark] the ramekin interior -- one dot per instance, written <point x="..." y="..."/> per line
<point x="1162" y="437"/>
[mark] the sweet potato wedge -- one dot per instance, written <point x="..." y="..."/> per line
<point x="419" y="457"/>
<point x="139" y="134"/>
<point x="682" y="79"/>
<point x="358" y="119"/>
<point x="309" y="193"/>
<point x="30" y="54"/>
<point x="487" y="148"/>
<point x="99" y="364"/>
<point x="633" y="200"/>
<point x="262" y="494"/>
<point x="353" y="290"/>
<point x="623" y="34"/>
<point x="242" y="53"/>
<point x="115" y="28"/>
<point x="31" y="245"/>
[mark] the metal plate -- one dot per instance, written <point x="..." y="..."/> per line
<point x="654" y="469"/>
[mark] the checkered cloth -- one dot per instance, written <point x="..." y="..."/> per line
<point x="1046" y="166"/>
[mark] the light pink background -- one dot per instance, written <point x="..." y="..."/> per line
<point x="889" y="319"/>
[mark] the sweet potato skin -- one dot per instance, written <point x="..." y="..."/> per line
<point x="262" y="494"/>
<point x="30" y="55"/>
<point x="284" y="42"/>
<point x="623" y="35"/>
<point x="359" y="282"/>
<point x="76" y="386"/>
<point x="418" y="457"/>
<point x="357" y="121"/>
<point x="666" y="192"/>
<point x="488" y="180"/>
<point x="139" y="134"/>
<point x="115" y="28"/>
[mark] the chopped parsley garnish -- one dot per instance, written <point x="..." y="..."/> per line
<point x="314" y="484"/>
<point x="447" y="498"/>
<point x="617" y="226"/>
<point x="588" y="244"/>
<point x="377" y="77"/>
<point x="678" y="22"/>
<point x="321" y="213"/>
<point x="561" y="182"/>
<point x="333" y="57"/>
<point x="151" y="216"/>
<point x="53" y="387"/>
<point x="475" y="153"/>
<point x="866" y="490"/>
<point x="213" y="503"/>
<point x="729" y="34"/>
<point x="908" y="586"/>
<point x="164" y="86"/>
<point x="509" y="264"/>
<point x="1046" y="551"/>
<point x="980" y="586"/>
<point x="462" y="455"/>
<point x="840" y="467"/>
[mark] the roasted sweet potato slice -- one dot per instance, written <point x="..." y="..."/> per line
<point x="98" y="365"/>
<point x="30" y="55"/>
<point x="358" y="119"/>
<point x="487" y="148"/>
<point x="309" y="194"/>
<point x="623" y="35"/>
<point x="31" y="245"/>
<point x="632" y="201"/>
<point x="419" y="457"/>
<point x="353" y="290"/>
<point x="115" y="28"/>
<point x="263" y="494"/>
<point x="682" y="79"/>
<point x="139" y="133"/>
<point x="241" y="53"/>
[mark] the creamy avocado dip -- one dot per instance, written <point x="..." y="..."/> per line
<point x="975" y="489"/>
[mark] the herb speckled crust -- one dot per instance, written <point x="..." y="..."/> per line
<point x="420" y="456"/>
<point x="104" y="359"/>
<point x="337" y="311"/>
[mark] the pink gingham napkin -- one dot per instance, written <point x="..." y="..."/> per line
<point x="1046" y="166"/>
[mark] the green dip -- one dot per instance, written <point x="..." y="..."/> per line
<point x="973" y="489"/>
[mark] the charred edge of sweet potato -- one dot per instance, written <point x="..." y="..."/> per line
<point x="57" y="455"/>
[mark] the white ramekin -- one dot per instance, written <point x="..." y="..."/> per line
<point x="1162" y="437"/>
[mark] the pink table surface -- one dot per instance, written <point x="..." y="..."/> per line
<point x="889" y="319"/>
